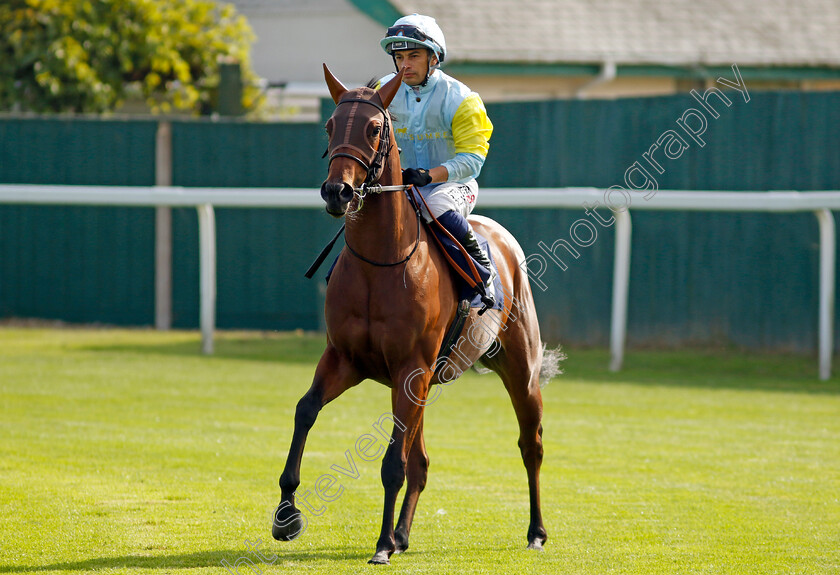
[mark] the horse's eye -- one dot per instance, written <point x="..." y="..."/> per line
<point x="376" y="131"/>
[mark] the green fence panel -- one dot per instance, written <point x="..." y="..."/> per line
<point x="78" y="264"/>
<point x="262" y="253"/>
<point x="73" y="151"/>
<point x="241" y="154"/>
<point x="262" y="256"/>
<point x="708" y="278"/>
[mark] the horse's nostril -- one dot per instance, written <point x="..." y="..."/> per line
<point x="346" y="193"/>
<point x="331" y="190"/>
<point x="336" y="195"/>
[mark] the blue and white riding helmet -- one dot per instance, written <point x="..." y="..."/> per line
<point x="415" y="31"/>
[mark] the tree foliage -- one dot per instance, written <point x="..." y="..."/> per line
<point x="89" y="55"/>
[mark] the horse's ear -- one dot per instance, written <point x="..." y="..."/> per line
<point x="389" y="90"/>
<point x="337" y="89"/>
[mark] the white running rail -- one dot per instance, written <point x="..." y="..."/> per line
<point x="204" y="199"/>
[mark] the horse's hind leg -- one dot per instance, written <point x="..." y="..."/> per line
<point x="333" y="376"/>
<point x="521" y="378"/>
<point x="417" y="471"/>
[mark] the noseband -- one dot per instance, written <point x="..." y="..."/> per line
<point x="374" y="164"/>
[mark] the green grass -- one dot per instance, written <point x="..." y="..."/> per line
<point x="128" y="452"/>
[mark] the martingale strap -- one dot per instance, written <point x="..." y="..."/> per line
<point x="389" y="264"/>
<point x="377" y="190"/>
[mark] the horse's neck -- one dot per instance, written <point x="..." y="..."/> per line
<point x="385" y="229"/>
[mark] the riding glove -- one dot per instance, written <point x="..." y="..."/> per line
<point x="419" y="177"/>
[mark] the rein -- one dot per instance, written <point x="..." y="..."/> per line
<point x="373" y="168"/>
<point x="473" y="279"/>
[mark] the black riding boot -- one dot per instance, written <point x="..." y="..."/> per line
<point x="470" y="242"/>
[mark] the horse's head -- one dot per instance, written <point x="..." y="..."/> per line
<point x="360" y="139"/>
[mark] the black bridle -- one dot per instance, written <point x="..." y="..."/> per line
<point x="373" y="167"/>
<point x="373" y="170"/>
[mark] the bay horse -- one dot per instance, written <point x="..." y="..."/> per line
<point x="389" y="301"/>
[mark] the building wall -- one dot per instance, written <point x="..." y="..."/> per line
<point x="295" y="38"/>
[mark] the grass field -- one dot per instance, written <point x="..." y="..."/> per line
<point x="128" y="452"/>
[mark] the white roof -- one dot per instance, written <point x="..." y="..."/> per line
<point x="652" y="32"/>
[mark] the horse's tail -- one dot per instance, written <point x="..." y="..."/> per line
<point x="550" y="366"/>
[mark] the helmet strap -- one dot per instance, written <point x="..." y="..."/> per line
<point x="428" y="69"/>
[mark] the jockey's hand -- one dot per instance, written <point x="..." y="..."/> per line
<point x="419" y="177"/>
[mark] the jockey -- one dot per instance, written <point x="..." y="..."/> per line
<point x="442" y="130"/>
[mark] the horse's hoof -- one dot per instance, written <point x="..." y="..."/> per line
<point x="288" y="522"/>
<point x="537" y="537"/>
<point x="536" y="544"/>
<point x="380" y="558"/>
<point x="401" y="541"/>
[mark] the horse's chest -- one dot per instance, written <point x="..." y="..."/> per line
<point x="381" y="326"/>
<point x="371" y="333"/>
<point x="376" y="341"/>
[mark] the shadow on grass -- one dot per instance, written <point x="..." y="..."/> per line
<point x="705" y="369"/>
<point x="190" y="561"/>
<point x="691" y="368"/>
<point x="283" y="348"/>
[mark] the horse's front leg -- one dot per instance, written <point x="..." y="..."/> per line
<point x="411" y="390"/>
<point x="416" y="474"/>
<point x="333" y="376"/>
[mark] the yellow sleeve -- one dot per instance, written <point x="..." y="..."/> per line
<point x="471" y="128"/>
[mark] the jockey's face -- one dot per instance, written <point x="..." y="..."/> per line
<point x="415" y="63"/>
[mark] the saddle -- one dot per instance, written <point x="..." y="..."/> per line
<point x="468" y="296"/>
<point x="471" y="280"/>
